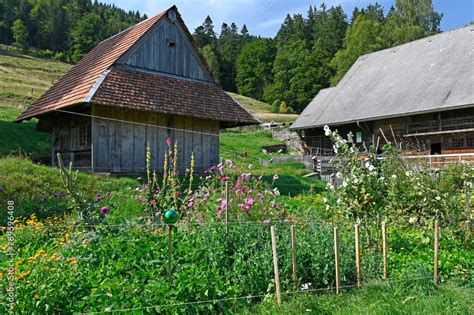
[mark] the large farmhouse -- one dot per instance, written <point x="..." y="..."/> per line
<point x="138" y="88"/>
<point x="420" y="94"/>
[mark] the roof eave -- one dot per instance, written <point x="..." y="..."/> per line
<point x="382" y="117"/>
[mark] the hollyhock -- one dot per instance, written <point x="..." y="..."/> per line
<point x="104" y="210"/>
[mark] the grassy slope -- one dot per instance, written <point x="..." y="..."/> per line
<point x="22" y="137"/>
<point x="24" y="78"/>
<point x="262" y="110"/>
<point x="233" y="144"/>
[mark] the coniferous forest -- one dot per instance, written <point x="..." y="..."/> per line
<point x="310" y="52"/>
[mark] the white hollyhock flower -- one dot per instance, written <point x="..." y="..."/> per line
<point x="327" y="130"/>
<point x="438" y="198"/>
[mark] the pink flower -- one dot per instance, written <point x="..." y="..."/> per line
<point x="223" y="205"/>
<point x="153" y="202"/>
<point x="266" y="222"/>
<point x="168" y="141"/>
<point x="191" y="204"/>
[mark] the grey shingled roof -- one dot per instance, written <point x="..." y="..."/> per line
<point x="430" y="74"/>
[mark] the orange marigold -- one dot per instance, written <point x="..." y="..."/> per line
<point x="21" y="276"/>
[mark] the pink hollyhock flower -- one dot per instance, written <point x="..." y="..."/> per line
<point x="266" y="222"/>
<point x="190" y="204"/>
<point x="168" y="141"/>
<point x="153" y="202"/>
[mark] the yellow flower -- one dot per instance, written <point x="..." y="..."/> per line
<point x="36" y="296"/>
<point x="19" y="262"/>
<point x="55" y="257"/>
<point x="72" y="261"/>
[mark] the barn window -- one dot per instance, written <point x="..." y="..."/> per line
<point x="171" y="43"/>
<point x="470" y="142"/>
<point x="457" y="142"/>
<point x="81" y="137"/>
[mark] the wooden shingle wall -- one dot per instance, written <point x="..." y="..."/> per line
<point x="165" y="48"/>
<point x="120" y="147"/>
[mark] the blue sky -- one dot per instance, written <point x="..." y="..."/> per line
<point x="264" y="17"/>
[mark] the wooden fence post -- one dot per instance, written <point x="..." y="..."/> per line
<point x="467" y="187"/>
<point x="293" y="255"/>
<point x="226" y="207"/>
<point x="357" y="254"/>
<point x="436" y="248"/>
<point x="336" y="257"/>
<point x="275" y="266"/>
<point x="384" y="250"/>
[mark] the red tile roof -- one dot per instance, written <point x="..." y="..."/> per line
<point x="171" y="95"/>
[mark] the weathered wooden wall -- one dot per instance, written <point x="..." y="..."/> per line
<point x="120" y="147"/>
<point x="65" y="135"/>
<point x="165" y="48"/>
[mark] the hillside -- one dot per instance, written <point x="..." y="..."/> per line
<point x="261" y="110"/>
<point x="24" y="78"/>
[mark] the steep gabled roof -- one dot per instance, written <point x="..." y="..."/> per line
<point x="430" y="74"/>
<point x="74" y="87"/>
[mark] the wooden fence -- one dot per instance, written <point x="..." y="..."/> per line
<point x="337" y="258"/>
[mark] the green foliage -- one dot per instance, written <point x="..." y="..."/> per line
<point x="254" y="67"/>
<point x="86" y="35"/>
<point x="53" y="24"/>
<point x="411" y="20"/>
<point x="276" y="106"/>
<point x="210" y="55"/>
<point x="20" y="34"/>
<point x="393" y="189"/>
<point x="406" y="297"/>
<point x="362" y="37"/>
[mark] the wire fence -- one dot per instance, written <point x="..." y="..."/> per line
<point x="238" y="254"/>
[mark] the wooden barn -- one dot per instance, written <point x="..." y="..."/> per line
<point x="419" y="95"/>
<point x="138" y="88"/>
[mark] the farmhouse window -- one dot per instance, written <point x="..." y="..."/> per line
<point x="81" y="137"/>
<point x="457" y="142"/>
<point x="470" y="142"/>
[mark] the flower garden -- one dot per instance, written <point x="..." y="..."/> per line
<point x="91" y="244"/>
